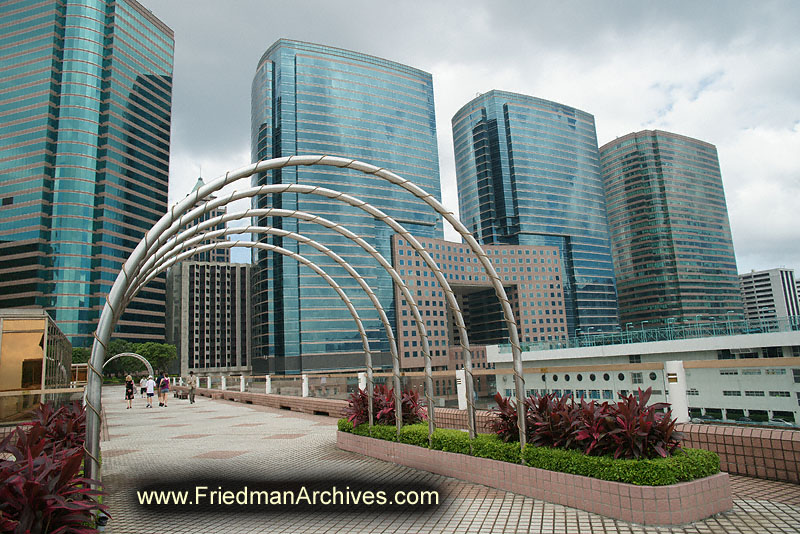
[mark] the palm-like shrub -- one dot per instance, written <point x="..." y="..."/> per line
<point x="627" y="429"/>
<point x="357" y="411"/>
<point x="41" y="487"/>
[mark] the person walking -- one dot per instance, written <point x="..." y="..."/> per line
<point x="129" y="393"/>
<point x="150" y="386"/>
<point x="142" y="387"/>
<point x="163" y="386"/>
<point x="191" y="383"/>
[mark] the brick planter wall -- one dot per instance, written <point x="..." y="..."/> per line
<point x="649" y="505"/>
<point x="766" y="453"/>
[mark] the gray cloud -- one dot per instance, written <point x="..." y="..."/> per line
<point x="722" y="71"/>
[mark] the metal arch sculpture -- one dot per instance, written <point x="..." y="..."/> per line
<point x="374" y="212"/>
<point x="132" y="355"/>
<point x="112" y="307"/>
<point x="177" y="254"/>
<point x="173" y="247"/>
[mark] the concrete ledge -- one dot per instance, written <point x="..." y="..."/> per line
<point x="311" y="405"/>
<point x="649" y="505"/>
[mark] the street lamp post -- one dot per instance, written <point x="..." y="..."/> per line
<point x="628" y="331"/>
<point x="644" y="336"/>
<point x="670" y="327"/>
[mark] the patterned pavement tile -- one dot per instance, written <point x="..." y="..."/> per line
<point x="237" y="449"/>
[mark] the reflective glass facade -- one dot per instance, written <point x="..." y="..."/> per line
<point x="528" y="174"/>
<point x="85" y="99"/>
<point x="671" y="238"/>
<point x="314" y="99"/>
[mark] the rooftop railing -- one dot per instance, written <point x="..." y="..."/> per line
<point x="702" y="326"/>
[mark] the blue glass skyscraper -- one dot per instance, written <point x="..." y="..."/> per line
<point x="85" y="100"/>
<point x="528" y="174"/>
<point x="314" y="99"/>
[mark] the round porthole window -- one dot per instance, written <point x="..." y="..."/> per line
<point x="566" y="378"/>
<point x="580" y="377"/>
<point x="652" y="376"/>
<point x="555" y="378"/>
<point x="621" y="376"/>
<point x="592" y="377"/>
<point x="606" y="377"/>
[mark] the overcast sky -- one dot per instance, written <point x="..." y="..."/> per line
<point x="725" y="72"/>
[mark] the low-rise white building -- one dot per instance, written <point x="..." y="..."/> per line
<point x="727" y="377"/>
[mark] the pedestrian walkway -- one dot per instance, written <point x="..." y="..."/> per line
<point x="225" y="441"/>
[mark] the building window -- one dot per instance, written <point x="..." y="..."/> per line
<point x="653" y="376"/>
<point x="636" y="378"/>
<point x="775" y="371"/>
<point x="796" y="374"/>
<point x="594" y="394"/>
<point x="728" y="372"/>
<point x="608" y="394"/>
<point x="751" y="371"/>
<point x="692" y="391"/>
<point x="731" y="393"/>
<point x="779" y="394"/>
<point x="753" y="393"/>
<point x="635" y="358"/>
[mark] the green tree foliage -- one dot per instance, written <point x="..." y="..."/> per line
<point x="81" y="355"/>
<point x="158" y="354"/>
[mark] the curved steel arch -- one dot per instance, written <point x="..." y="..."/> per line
<point x="170" y="258"/>
<point x="133" y="355"/>
<point x="113" y="300"/>
<point x="173" y="247"/>
<point x="203" y="208"/>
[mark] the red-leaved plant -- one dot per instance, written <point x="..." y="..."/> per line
<point x="504" y="420"/>
<point x="643" y="431"/>
<point x="41" y="489"/>
<point x="552" y="421"/>
<point x="627" y="429"/>
<point x="383" y="406"/>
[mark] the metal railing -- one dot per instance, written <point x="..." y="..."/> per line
<point x="703" y="327"/>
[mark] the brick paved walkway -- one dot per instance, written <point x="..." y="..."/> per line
<point x="222" y="440"/>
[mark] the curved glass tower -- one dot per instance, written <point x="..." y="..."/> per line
<point x="85" y="102"/>
<point x="314" y="99"/>
<point x="528" y="174"/>
<point x="673" y="249"/>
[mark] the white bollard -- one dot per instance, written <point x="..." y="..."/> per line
<point x="224" y="383"/>
<point x="268" y="389"/>
<point x="676" y="386"/>
<point x="242" y="384"/>
<point x="208" y="382"/>
<point x="362" y="381"/>
<point x="305" y="385"/>
<point x="461" y="388"/>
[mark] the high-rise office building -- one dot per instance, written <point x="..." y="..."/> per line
<point x="85" y="102"/>
<point x="528" y="174"/>
<point x="670" y="234"/>
<point x="770" y="295"/>
<point x="214" y="255"/>
<point x="208" y="316"/>
<point x="314" y="99"/>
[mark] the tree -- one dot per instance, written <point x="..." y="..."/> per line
<point x="81" y="354"/>
<point x="158" y="354"/>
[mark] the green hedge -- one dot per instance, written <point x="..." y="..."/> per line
<point x="416" y="434"/>
<point x="491" y="446"/>
<point x="688" y="465"/>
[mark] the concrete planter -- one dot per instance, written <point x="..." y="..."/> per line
<point x="648" y="505"/>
